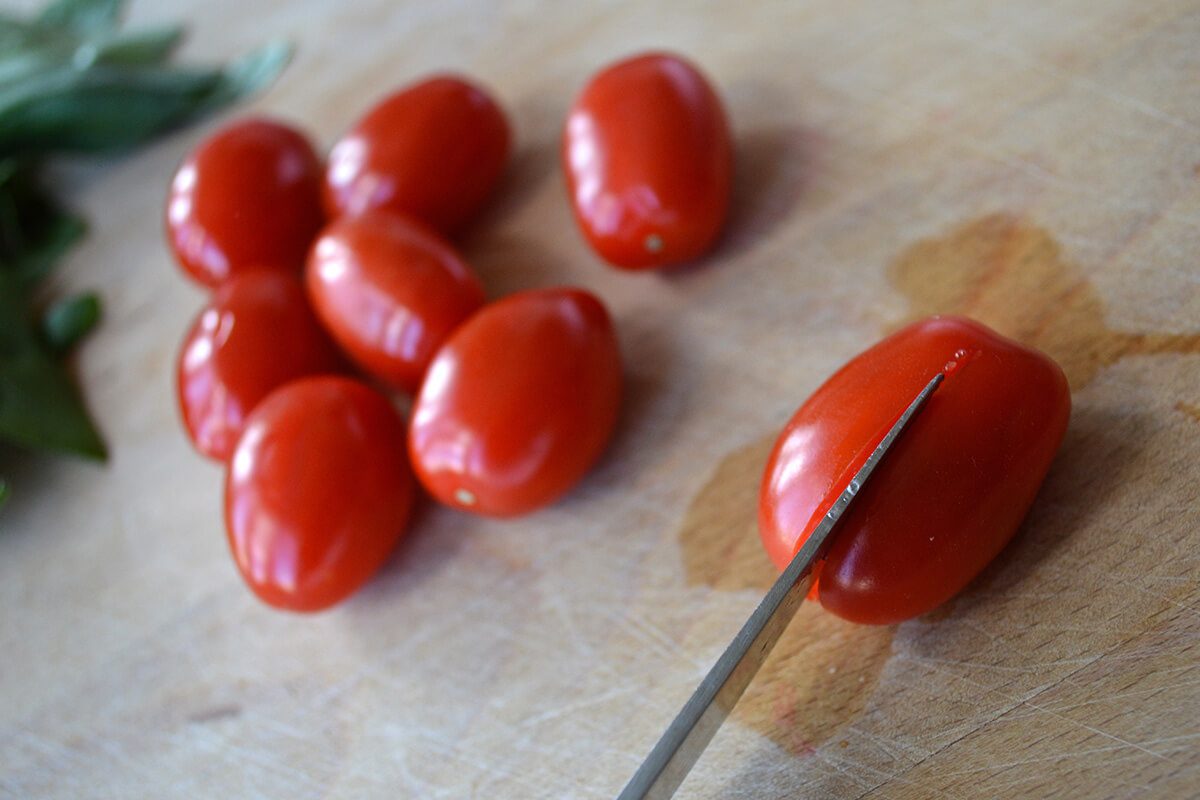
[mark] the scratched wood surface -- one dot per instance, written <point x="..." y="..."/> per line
<point x="1034" y="164"/>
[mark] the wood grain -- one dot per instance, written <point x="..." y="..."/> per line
<point x="1033" y="164"/>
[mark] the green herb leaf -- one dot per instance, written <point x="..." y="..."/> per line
<point x="67" y="321"/>
<point x="39" y="404"/>
<point x="82" y="16"/>
<point x="112" y="107"/>
<point x="249" y="74"/>
<point x="144" y="48"/>
<point x="71" y="81"/>
<point x="34" y="231"/>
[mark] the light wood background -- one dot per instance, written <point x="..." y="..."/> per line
<point x="1034" y="164"/>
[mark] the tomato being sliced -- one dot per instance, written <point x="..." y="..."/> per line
<point x="390" y="291"/>
<point x="257" y="334"/>
<point x="318" y="492"/>
<point x="518" y="403"/>
<point x="433" y="150"/>
<point x="952" y="491"/>
<point x="648" y="159"/>
<point x="248" y="197"/>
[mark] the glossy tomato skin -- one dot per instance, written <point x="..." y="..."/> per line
<point x="518" y="404"/>
<point x="256" y="334"/>
<point x="648" y="160"/>
<point x="248" y="197"/>
<point x="390" y="290"/>
<point x="318" y="492"/>
<point x="950" y="494"/>
<point x="433" y="150"/>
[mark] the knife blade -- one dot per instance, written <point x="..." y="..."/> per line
<point x="685" y="739"/>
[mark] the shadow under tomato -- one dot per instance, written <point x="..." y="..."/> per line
<point x="773" y="166"/>
<point x="654" y="399"/>
<point x="529" y="167"/>
<point x="507" y="263"/>
<point x="429" y="543"/>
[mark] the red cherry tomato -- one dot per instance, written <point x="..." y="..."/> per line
<point x="433" y="150"/>
<point x="390" y="291"/>
<point x="257" y="334"/>
<point x="518" y="403"/>
<point x="318" y="492"/>
<point x="648" y="160"/>
<point x="249" y="196"/>
<point x="950" y="494"/>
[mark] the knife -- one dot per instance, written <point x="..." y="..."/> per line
<point x="681" y="745"/>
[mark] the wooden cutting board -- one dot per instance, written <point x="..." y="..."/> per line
<point x="1032" y="164"/>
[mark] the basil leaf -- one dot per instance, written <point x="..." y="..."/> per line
<point x="39" y="404"/>
<point x="67" y="321"/>
<point x="34" y="231"/>
<point x="247" y="75"/>
<point x="144" y="48"/>
<point x="82" y="16"/>
<point x="71" y="81"/>
<point x="112" y="108"/>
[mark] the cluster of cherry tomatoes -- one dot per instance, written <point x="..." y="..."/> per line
<point x="337" y="283"/>
<point x="320" y="271"/>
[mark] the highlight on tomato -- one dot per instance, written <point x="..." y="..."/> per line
<point x="434" y="150"/>
<point x="518" y="404"/>
<point x="248" y="197"/>
<point x="390" y="291"/>
<point x="649" y="162"/>
<point x="952" y="491"/>
<point x="256" y="334"/>
<point x="318" y="492"/>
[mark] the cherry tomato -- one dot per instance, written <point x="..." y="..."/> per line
<point x="318" y="492"/>
<point x="249" y="196"/>
<point x="257" y="334"/>
<point x="390" y="291"/>
<point x="518" y="403"/>
<point x="433" y="150"/>
<point x="951" y="492"/>
<point x="648" y="160"/>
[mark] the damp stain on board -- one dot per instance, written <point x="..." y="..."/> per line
<point x="1012" y="276"/>
<point x="1191" y="410"/>
<point x="1009" y="274"/>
